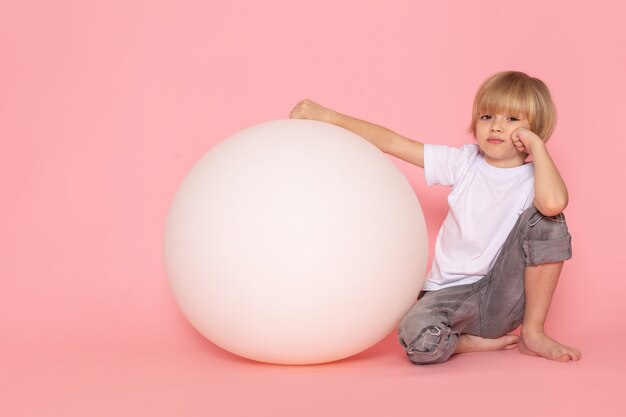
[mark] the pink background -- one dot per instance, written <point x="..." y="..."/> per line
<point x="105" y="106"/>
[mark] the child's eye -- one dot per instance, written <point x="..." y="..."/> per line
<point x="485" y="117"/>
<point x="513" y="119"/>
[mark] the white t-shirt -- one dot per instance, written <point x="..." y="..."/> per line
<point x="485" y="203"/>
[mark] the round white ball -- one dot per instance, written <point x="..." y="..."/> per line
<point x="295" y="242"/>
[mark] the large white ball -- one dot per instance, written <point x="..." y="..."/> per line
<point x="295" y="242"/>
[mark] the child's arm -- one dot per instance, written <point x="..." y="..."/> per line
<point x="383" y="138"/>
<point x="550" y="191"/>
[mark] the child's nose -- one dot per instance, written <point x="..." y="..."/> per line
<point x="495" y="127"/>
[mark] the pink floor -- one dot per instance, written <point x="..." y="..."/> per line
<point x="194" y="378"/>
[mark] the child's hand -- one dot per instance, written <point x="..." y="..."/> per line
<point x="307" y="109"/>
<point x="524" y="140"/>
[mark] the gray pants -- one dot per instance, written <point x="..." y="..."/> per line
<point x="491" y="307"/>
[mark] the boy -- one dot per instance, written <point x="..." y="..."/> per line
<point x="500" y="250"/>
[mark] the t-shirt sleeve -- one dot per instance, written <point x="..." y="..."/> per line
<point x="444" y="165"/>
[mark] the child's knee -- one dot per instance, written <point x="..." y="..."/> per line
<point x="547" y="240"/>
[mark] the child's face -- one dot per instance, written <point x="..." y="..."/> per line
<point x="493" y="134"/>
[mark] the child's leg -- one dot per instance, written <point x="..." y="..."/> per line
<point x="519" y="289"/>
<point x="435" y="327"/>
<point x="473" y="317"/>
<point x="539" y="284"/>
<point x="431" y="330"/>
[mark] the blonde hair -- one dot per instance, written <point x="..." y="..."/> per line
<point x="513" y="93"/>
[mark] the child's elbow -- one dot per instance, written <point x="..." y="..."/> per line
<point x="552" y="207"/>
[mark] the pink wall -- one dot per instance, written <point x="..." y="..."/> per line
<point x="104" y="107"/>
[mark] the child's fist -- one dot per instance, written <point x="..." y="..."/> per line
<point x="524" y="140"/>
<point x="307" y="109"/>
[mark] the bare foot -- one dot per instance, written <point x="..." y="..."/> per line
<point x="471" y="343"/>
<point x="540" y="344"/>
